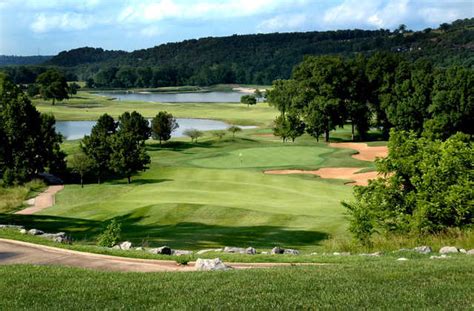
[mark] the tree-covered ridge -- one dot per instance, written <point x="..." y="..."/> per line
<point x="6" y="60"/>
<point x="260" y="58"/>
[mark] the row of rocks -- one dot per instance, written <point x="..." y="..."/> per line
<point x="443" y="250"/>
<point x="164" y="250"/>
<point x="59" y="237"/>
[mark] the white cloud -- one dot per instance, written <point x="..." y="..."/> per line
<point x="391" y="13"/>
<point x="64" y="21"/>
<point x="151" y="31"/>
<point x="282" y="22"/>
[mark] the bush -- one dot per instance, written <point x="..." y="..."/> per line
<point x="428" y="187"/>
<point x="111" y="234"/>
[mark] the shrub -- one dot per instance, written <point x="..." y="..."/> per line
<point x="111" y="234"/>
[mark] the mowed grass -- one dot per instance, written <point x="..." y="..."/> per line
<point x="362" y="284"/>
<point x="87" y="106"/>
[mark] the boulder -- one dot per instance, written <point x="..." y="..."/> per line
<point x="290" y="251"/>
<point x="164" y="250"/>
<point x="59" y="237"/>
<point x="203" y="251"/>
<point x="423" y="249"/>
<point x="210" y="264"/>
<point x="35" y="232"/>
<point x="448" y="250"/>
<point x="462" y="250"/>
<point x="125" y="245"/>
<point x="277" y="250"/>
<point x="116" y="247"/>
<point x="179" y="252"/>
<point x="470" y="252"/>
<point x="23" y="231"/>
<point x="250" y="251"/>
<point x="234" y="250"/>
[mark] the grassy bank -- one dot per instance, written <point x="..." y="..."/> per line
<point x="386" y="284"/>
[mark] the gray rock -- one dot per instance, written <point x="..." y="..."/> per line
<point x="23" y="231"/>
<point x="439" y="257"/>
<point x="234" y="250"/>
<point x="203" y="251"/>
<point x="470" y="252"/>
<point x="290" y="251"/>
<point x="277" y="250"/>
<point x="12" y="227"/>
<point x="402" y="259"/>
<point x="210" y="264"/>
<point x="423" y="249"/>
<point x="448" y="250"/>
<point x="341" y="254"/>
<point x="250" y="251"/>
<point x="125" y="245"/>
<point x="59" y="237"/>
<point x="376" y="254"/>
<point x="35" y="232"/>
<point x="164" y="250"/>
<point x="179" y="252"/>
<point x="116" y="247"/>
<point x="462" y="250"/>
<point x="139" y="248"/>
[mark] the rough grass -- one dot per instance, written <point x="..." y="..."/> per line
<point x="385" y="284"/>
<point x="12" y="198"/>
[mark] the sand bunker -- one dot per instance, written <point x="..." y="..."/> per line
<point x="349" y="173"/>
<point x="366" y="153"/>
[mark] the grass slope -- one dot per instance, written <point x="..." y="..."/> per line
<point x="380" y="284"/>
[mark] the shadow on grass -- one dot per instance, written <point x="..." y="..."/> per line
<point x="187" y="235"/>
<point x="179" y="145"/>
<point x="141" y="181"/>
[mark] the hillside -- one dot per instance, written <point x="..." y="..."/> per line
<point x="6" y="60"/>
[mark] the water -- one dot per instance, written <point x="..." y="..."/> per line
<point x="78" y="129"/>
<point x="196" y="97"/>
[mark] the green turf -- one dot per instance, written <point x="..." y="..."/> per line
<point x="362" y="284"/>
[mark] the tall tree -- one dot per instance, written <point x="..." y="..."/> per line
<point x="52" y="85"/>
<point x="81" y="164"/>
<point x="97" y="146"/>
<point x="163" y="125"/>
<point x="248" y="100"/>
<point x="135" y="124"/>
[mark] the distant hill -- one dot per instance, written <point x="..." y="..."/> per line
<point x="6" y="60"/>
<point x="258" y="58"/>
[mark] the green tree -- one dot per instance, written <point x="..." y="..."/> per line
<point x="163" y="125"/>
<point x="73" y="88"/>
<point x="288" y="126"/>
<point x="97" y="146"/>
<point x="234" y="129"/>
<point x="52" y="85"/>
<point x="258" y="94"/>
<point x="321" y="116"/>
<point x="282" y="95"/>
<point x="134" y="124"/>
<point x="218" y="134"/>
<point x="427" y="186"/>
<point x="193" y="134"/>
<point x="81" y="164"/>
<point x="248" y="100"/>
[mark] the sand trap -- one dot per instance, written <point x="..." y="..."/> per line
<point x="349" y="173"/>
<point x="366" y="153"/>
<point x="44" y="200"/>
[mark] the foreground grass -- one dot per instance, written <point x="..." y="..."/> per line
<point x="388" y="284"/>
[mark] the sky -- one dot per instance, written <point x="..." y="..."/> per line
<point x="46" y="27"/>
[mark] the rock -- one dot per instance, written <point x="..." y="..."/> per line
<point x="139" y="248"/>
<point x="462" y="250"/>
<point x="402" y="259"/>
<point x="448" y="250"/>
<point x="376" y="254"/>
<point x="210" y="264"/>
<point x="290" y="251"/>
<point x="439" y="257"/>
<point x="59" y="237"/>
<point x="30" y="201"/>
<point x="116" y="247"/>
<point x="341" y="254"/>
<point x="23" y="231"/>
<point x="203" y="251"/>
<point x="12" y="227"/>
<point x="164" y="250"/>
<point x="35" y="232"/>
<point x="234" y="250"/>
<point x="470" y="252"/>
<point x="125" y="245"/>
<point x="423" y="249"/>
<point x="250" y="251"/>
<point x="277" y="250"/>
<point x="179" y="252"/>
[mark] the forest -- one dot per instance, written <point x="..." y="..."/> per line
<point x="250" y="59"/>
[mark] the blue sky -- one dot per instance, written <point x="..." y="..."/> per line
<point x="50" y="26"/>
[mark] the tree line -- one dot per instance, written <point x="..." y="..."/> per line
<point x="384" y="91"/>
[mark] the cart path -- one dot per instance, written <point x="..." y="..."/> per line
<point x="18" y="252"/>
<point x="44" y="200"/>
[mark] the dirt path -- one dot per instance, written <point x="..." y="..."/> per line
<point x="17" y="252"/>
<point x="366" y="153"/>
<point x="44" y="200"/>
<point x="350" y="173"/>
